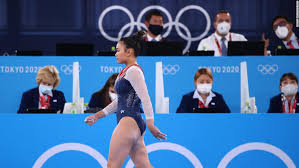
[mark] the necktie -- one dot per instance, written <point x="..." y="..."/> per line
<point x="290" y="45"/>
<point x="223" y="47"/>
<point x="154" y="40"/>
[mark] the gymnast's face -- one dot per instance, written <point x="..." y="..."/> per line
<point x="122" y="54"/>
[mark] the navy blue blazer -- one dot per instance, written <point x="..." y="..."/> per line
<point x="275" y="42"/>
<point x="276" y="104"/>
<point x="30" y="100"/>
<point x="188" y="104"/>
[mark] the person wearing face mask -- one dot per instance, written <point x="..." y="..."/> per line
<point x="105" y="96"/>
<point x="284" y="37"/>
<point x="154" y="25"/>
<point x="45" y="96"/>
<point x="218" y="41"/>
<point x="287" y="101"/>
<point x="203" y="96"/>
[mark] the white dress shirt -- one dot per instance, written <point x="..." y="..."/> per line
<point x="294" y="42"/>
<point x="149" y="38"/>
<point x="210" y="43"/>
<point x="209" y="98"/>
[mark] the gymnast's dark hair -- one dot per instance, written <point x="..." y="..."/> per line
<point x="134" y="42"/>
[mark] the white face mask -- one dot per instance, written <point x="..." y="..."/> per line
<point x="45" y="89"/>
<point x="204" y="88"/>
<point x="282" y="32"/>
<point x="223" y="28"/>
<point x="112" y="96"/>
<point x="289" y="89"/>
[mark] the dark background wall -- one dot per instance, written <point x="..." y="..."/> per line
<point x="39" y="25"/>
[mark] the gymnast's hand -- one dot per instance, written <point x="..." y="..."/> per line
<point x="90" y="120"/>
<point x="155" y="131"/>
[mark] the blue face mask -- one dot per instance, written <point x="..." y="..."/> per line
<point x="45" y="89"/>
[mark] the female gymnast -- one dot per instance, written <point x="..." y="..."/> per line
<point x="128" y="136"/>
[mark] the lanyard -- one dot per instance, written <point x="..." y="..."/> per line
<point x="123" y="71"/>
<point x="292" y="109"/>
<point x="218" y="45"/>
<point x="45" y="104"/>
<point x="201" y="105"/>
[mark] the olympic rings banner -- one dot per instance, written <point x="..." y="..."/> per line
<point x="168" y="26"/>
<point x="17" y="75"/>
<point x="194" y="141"/>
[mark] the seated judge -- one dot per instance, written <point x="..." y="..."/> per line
<point x="218" y="41"/>
<point x="287" y="101"/>
<point x="154" y="24"/>
<point x="203" y="96"/>
<point x="284" y="37"/>
<point x="105" y="96"/>
<point x="45" y="96"/>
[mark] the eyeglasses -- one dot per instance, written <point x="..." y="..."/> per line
<point x="282" y="23"/>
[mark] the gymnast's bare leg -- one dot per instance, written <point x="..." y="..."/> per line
<point x="139" y="154"/>
<point x="126" y="140"/>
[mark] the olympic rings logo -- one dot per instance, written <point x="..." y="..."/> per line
<point x="267" y="69"/>
<point x="171" y="69"/>
<point x="68" y="69"/>
<point x="176" y="23"/>
<point x="167" y="146"/>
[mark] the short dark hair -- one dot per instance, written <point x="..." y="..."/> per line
<point x="289" y="75"/>
<point x="221" y="11"/>
<point x="149" y="15"/>
<point x="281" y="17"/>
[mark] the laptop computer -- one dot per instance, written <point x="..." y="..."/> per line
<point x="287" y="52"/>
<point x="245" y="48"/>
<point x="74" y="49"/>
<point x="28" y="53"/>
<point x="106" y="53"/>
<point x="42" y="111"/>
<point x="164" y="48"/>
<point x="201" y="53"/>
<point x="204" y="110"/>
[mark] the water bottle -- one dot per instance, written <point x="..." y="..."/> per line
<point x="73" y="109"/>
<point x="85" y="107"/>
<point x="247" y="107"/>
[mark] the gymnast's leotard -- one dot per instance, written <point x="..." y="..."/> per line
<point x="131" y="93"/>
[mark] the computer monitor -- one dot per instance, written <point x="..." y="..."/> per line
<point x="106" y="53"/>
<point x="245" y="48"/>
<point x="164" y="48"/>
<point x="287" y="52"/>
<point x="74" y="49"/>
<point x="201" y="53"/>
<point x="29" y="53"/>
